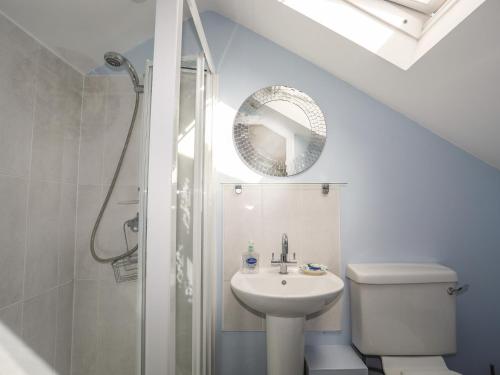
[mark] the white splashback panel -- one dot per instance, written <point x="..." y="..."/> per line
<point x="262" y="213"/>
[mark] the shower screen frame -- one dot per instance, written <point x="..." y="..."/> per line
<point x="143" y="209"/>
<point x="160" y="257"/>
<point x="197" y="342"/>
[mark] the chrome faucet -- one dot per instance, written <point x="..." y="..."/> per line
<point x="284" y="261"/>
<point x="284" y="254"/>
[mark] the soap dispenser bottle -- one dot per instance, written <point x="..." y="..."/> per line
<point x="250" y="260"/>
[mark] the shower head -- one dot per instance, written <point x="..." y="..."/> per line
<point x="116" y="61"/>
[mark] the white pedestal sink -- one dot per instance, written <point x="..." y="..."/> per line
<point x="286" y="300"/>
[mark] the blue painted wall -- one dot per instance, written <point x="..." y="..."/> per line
<point x="411" y="196"/>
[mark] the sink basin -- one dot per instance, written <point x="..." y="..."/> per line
<point x="293" y="294"/>
<point x="286" y="300"/>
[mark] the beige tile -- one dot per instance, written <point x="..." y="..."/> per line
<point x="66" y="244"/>
<point x="242" y="217"/>
<point x="13" y="198"/>
<point x="43" y="234"/>
<point x="39" y="324"/>
<point x="94" y="108"/>
<point x="10" y="317"/>
<point x="64" y="329"/>
<point x="56" y="132"/>
<point x="85" y="328"/>
<point x="69" y="167"/>
<point x="70" y="150"/>
<point x="118" y="327"/>
<point x="62" y="76"/>
<point x="89" y="200"/>
<point x="95" y="84"/>
<point x="120" y="84"/>
<point x="16" y="112"/>
<point x="92" y="139"/>
<point x="119" y="110"/>
<point x="91" y="154"/>
<point x="110" y="236"/>
<point x="14" y="40"/>
<point x="238" y="317"/>
<point x="48" y="139"/>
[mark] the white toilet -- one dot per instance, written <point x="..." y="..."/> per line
<point x="405" y="314"/>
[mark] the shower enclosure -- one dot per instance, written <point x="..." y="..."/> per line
<point x="61" y="137"/>
<point x="75" y="167"/>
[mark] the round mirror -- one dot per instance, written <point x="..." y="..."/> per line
<point x="279" y="131"/>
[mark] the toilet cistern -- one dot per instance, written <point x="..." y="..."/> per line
<point x="283" y="262"/>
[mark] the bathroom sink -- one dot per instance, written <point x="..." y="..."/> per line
<point x="286" y="300"/>
<point x="290" y="295"/>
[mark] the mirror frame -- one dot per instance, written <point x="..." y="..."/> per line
<point x="264" y="164"/>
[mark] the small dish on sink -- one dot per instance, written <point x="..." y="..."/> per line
<point x="313" y="269"/>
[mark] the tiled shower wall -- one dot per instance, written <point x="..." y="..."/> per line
<point x="40" y="108"/>
<point x="105" y="338"/>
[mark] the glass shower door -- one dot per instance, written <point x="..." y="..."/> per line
<point x="189" y="221"/>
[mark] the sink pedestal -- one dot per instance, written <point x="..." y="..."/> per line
<point x="285" y="345"/>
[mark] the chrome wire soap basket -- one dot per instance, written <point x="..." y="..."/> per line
<point x="126" y="269"/>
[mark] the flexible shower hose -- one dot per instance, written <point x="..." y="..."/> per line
<point x="128" y="252"/>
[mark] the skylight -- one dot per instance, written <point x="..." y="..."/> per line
<point x="400" y="31"/>
<point x="423" y="6"/>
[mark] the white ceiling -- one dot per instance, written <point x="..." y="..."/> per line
<point x="454" y="90"/>
<point x="80" y="31"/>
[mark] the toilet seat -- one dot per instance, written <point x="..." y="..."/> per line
<point x="416" y="366"/>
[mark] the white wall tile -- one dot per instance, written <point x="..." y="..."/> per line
<point x="311" y="221"/>
<point x="281" y="214"/>
<point x="238" y="317"/>
<point x="242" y="219"/>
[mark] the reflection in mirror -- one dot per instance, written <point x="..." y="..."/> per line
<point x="279" y="131"/>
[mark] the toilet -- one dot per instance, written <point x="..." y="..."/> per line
<point x="405" y="314"/>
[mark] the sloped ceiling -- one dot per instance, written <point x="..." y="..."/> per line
<point x="454" y="90"/>
<point x="80" y="31"/>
